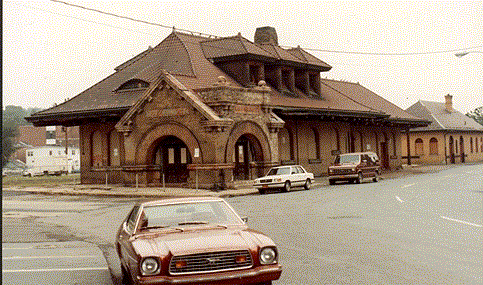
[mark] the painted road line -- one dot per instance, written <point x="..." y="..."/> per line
<point x="408" y="185"/>
<point x="55" y="269"/>
<point x="51" y="257"/>
<point x="462" y="222"/>
<point x="399" y="199"/>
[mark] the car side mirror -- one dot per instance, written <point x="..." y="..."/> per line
<point x="244" y="219"/>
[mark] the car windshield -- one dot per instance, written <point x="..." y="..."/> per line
<point x="190" y="214"/>
<point x="279" y="171"/>
<point x="347" y="159"/>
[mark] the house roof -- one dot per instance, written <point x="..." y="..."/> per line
<point x="441" y="119"/>
<point x="189" y="59"/>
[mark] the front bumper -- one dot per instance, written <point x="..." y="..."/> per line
<point x="269" y="185"/>
<point x="343" y="177"/>
<point x="247" y="276"/>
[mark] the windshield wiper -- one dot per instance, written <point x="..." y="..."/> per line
<point x="192" y="223"/>
<point x="155" y="227"/>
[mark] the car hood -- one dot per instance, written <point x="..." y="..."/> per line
<point x="192" y="241"/>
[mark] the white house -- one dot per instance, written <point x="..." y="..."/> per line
<point x="52" y="160"/>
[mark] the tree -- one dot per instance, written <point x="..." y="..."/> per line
<point x="9" y="132"/>
<point x="477" y="115"/>
<point x="12" y="117"/>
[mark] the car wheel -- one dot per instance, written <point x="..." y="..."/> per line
<point x="359" y="178"/>
<point x="331" y="182"/>
<point x="286" y="187"/>
<point x="307" y="184"/>
<point x="126" y="277"/>
<point x="376" y="177"/>
<point x="261" y="191"/>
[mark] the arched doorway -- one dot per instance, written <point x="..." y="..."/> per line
<point x="247" y="151"/>
<point x="451" y="149"/>
<point x="173" y="156"/>
<point x="462" y="149"/>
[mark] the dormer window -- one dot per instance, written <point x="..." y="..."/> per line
<point x="314" y="85"/>
<point x="133" y="84"/>
<point x="288" y="82"/>
<point x="255" y="74"/>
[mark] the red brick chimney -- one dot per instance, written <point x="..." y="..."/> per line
<point x="448" y="103"/>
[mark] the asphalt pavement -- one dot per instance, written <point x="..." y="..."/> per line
<point x="160" y="192"/>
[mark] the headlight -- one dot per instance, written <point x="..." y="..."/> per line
<point x="278" y="179"/>
<point x="353" y="169"/>
<point x="149" y="266"/>
<point x="268" y="256"/>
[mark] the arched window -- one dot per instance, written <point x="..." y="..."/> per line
<point x="114" y="156"/>
<point x="476" y="144"/>
<point x="96" y="149"/>
<point x="481" y="144"/>
<point x="433" y="146"/>
<point x="456" y="146"/>
<point x="471" y="145"/>
<point x="394" y="152"/>
<point x="285" y="145"/>
<point x="133" y="84"/>
<point x="419" y="147"/>
<point x="314" y="148"/>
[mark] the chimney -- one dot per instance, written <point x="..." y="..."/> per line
<point x="449" y="103"/>
<point x="266" y="35"/>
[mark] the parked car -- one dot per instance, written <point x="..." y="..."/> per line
<point x="355" y="167"/>
<point x="284" y="177"/>
<point x="193" y="241"/>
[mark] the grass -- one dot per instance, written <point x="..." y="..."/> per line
<point x="40" y="181"/>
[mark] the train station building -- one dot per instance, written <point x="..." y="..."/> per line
<point x="212" y="111"/>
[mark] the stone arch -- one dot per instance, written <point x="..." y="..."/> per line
<point x="249" y="128"/>
<point x="148" y="143"/>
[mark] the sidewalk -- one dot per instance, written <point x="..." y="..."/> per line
<point x="159" y="192"/>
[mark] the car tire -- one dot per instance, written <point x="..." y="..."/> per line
<point x="376" y="177"/>
<point x="359" y="178"/>
<point x="286" y="186"/>
<point x="261" y="191"/>
<point x="331" y="182"/>
<point x="307" y="184"/>
<point x="126" y="277"/>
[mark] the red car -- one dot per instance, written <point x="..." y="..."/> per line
<point x="193" y="241"/>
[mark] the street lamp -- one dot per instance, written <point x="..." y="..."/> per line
<point x="463" y="53"/>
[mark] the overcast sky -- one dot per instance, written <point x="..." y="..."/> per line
<point x="52" y="51"/>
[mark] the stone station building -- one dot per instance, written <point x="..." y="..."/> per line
<point x="198" y="111"/>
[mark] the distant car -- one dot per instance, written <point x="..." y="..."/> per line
<point x="32" y="172"/>
<point x="193" y="241"/>
<point x="284" y="177"/>
<point x="355" y="167"/>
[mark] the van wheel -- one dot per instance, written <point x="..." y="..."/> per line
<point x="331" y="182"/>
<point x="376" y="177"/>
<point x="286" y="187"/>
<point x="359" y="178"/>
<point x="261" y="191"/>
<point x="307" y="184"/>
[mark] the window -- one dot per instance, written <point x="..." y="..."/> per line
<point x="433" y="146"/>
<point x="133" y="84"/>
<point x="419" y="146"/>
<point x="73" y="152"/>
<point x="476" y="144"/>
<point x="314" y="149"/>
<point x="50" y="152"/>
<point x="471" y="145"/>
<point x="254" y="74"/>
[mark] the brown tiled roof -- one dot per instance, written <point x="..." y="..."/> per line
<point x="307" y="57"/>
<point x="232" y="46"/>
<point x="441" y="119"/>
<point x="187" y="58"/>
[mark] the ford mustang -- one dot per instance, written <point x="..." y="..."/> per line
<point x="193" y="241"/>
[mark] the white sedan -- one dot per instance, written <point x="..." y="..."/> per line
<point x="284" y="177"/>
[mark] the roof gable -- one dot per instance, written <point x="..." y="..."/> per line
<point x="442" y="119"/>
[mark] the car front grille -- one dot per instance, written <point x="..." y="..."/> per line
<point x="265" y="180"/>
<point x="342" y="171"/>
<point x="210" y="262"/>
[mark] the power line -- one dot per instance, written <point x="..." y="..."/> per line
<point x="310" y="49"/>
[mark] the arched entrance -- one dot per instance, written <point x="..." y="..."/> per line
<point x="173" y="156"/>
<point x="451" y="149"/>
<point x="247" y="152"/>
<point x="462" y="149"/>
